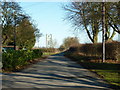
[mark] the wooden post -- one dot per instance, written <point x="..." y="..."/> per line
<point x="15" y="37"/>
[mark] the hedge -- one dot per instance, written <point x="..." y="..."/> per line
<point x="52" y="50"/>
<point x="13" y="59"/>
<point x="112" y="50"/>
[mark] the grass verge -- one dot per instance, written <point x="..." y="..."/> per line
<point x="48" y="53"/>
<point x="108" y="71"/>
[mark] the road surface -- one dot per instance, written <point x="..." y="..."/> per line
<point x="56" y="71"/>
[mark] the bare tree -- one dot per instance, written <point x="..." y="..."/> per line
<point x="88" y="16"/>
<point x="70" y="41"/>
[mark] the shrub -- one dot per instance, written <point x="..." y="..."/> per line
<point x="73" y="49"/>
<point x="112" y="50"/>
<point x="91" y="49"/>
<point x="37" y="53"/>
<point x="14" y="59"/>
<point x="52" y="50"/>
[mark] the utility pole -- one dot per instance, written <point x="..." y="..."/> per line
<point x="46" y="41"/>
<point x="38" y="42"/>
<point x="103" y="30"/>
<point x="14" y="38"/>
<point x="15" y="34"/>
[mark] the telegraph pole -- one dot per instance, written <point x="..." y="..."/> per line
<point x="15" y="35"/>
<point x="38" y="43"/>
<point x="103" y="30"/>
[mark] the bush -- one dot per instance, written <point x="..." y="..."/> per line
<point x="37" y="53"/>
<point x="112" y="50"/>
<point x="14" y="59"/>
<point x="51" y="50"/>
<point x="118" y="55"/>
<point x="73" y="49"/>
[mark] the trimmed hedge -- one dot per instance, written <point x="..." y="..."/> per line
<point x="52" y="50"/>
<point x="14" y="59"/>
<point x="112" y="50"/>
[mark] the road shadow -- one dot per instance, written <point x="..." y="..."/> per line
<point x="85" y="82"/>
<point x="55" y="72"/>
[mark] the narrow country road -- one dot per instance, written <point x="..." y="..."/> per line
<point x="56" y="71"/>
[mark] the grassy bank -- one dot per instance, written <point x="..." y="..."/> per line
<point x="108" y="71"/>
<point x="48" y="53"/>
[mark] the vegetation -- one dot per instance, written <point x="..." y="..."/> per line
<point x="13" y="60"/>
<point x="17" y="27"/>
<point x="48" y="53"/>
<point x="48" y="50"/>
<point x="61" y="48"/>
<point x="95" y="50"/>
<point x="109" y="71"/>
<point x="88" y="15"/>
<point x="68" y="42"/>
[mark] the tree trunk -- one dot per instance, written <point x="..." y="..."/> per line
<point x="95" y="31"/>
<point x="88" y="33"/>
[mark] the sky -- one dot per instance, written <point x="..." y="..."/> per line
<point x="49" y="19"/>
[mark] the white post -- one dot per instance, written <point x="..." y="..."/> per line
<point x="103" y="30"/>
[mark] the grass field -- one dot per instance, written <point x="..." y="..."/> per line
<point x="108" y="71"/>
<point x="48" y="53"/>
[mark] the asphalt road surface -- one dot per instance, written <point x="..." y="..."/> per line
<point x="56" y="71"/>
